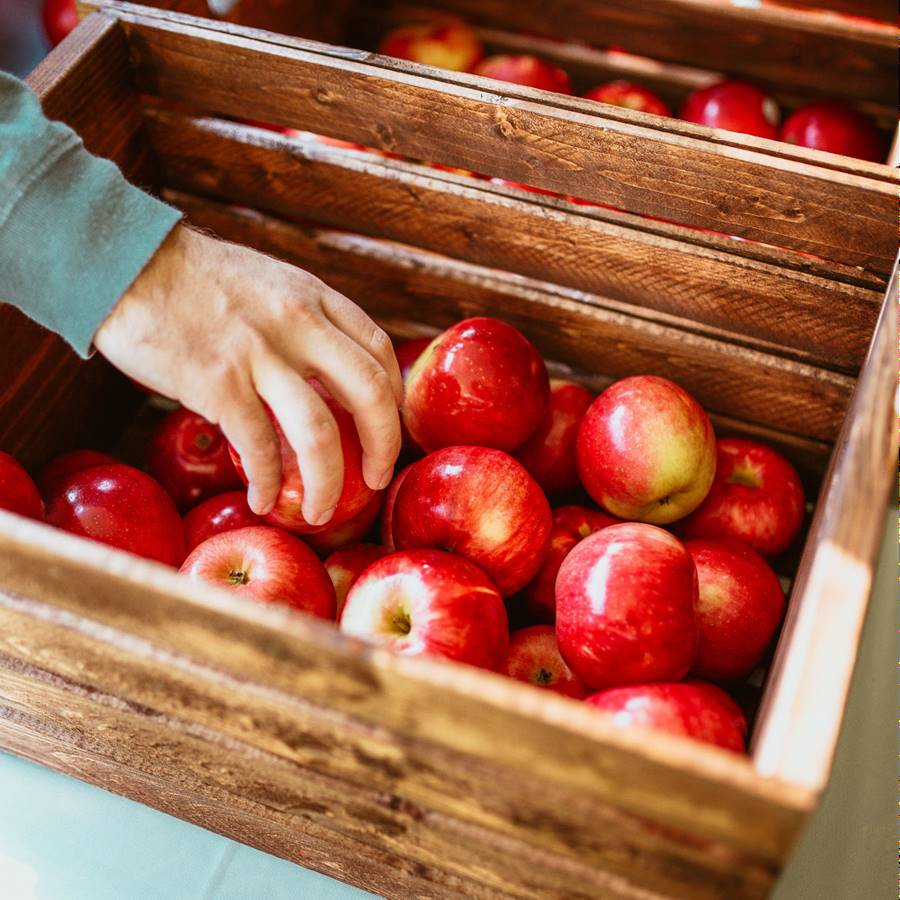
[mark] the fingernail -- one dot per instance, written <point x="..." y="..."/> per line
<point x="253" y="501"/>
<point x="322" y="518"/>
<point x="385" y="479"/>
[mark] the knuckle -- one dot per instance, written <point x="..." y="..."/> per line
<point x="377" y="386"/>
<point x="320" y="434"/>
<point x="379" y="341"/>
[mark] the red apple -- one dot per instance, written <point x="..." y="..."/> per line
<point x="444" y="41"/>
<point x="756" y="498"/>
<point x="264" y="564"/>
<point x="629" y="95"/>
<point x="526" y="70"/>
<point x="533" y="657"/>
<point x="428" y="601"/>
<point x="387" y="513"/>
<point x="189" y="457"/>
<point x="481" y="382"/>
<point x="121" y="506"/>
<point x="835" y="128"/>
<point x="226" y="512"/>
<point x="481" y="504"/>
<point x="741" y="604"/>
<point x="18" y="493"/>
<point x="355" y="494"/>
<point x="63" y="466"/>
<point x="625" y="599"/>
<point x="59" y="18"/>
<point x="734" y="106"/>
<point x="549" y="454"/>
<point x="407" y="352"/>
<point x="346" y="565"/>
<point x="646" y="450"/>
<point x="350" y="532"/>
<point x="691" y="709"/>
<point x="571" y="524"/>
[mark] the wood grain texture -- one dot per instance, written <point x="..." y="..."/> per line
<point x="880" y="10"/>
<point x="815" y="654"/>
<point x="392" y="280"/>
<point x="824" y="322"/>
<point x="782" y="195"/>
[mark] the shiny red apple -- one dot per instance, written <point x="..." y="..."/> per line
<point x="625" y="607"/>
<point x="58" y="469"/>
<point x="549" y="454"/>
<point x="121" y="506"/>
<point x="346" y="565"/>
<point x="429" y="602"/>
<point x="481" y="382"/>
<point x="387" y="512"/>
<point x="734" y="106"/>
<point x="691" y="709"/>
<point x="741" y="604"/>
<point x="264" y="564"/>
<point x="479" y="503"/>
<point x="189" y="457"/>
<point x="756" y="498"/>
<point x="571" y="524"/>
<point x="835" y="128"/>
<point x="225" y="512"/>
<point x="443" y="41"/>
<point x="526" y="70"/>
<point x="630" y="96"/>
<point x="18" y="493"/>
<point x="350" y="532"/>
<point x="59" y="18"/>
<point x="533" y="657"/>
<point x="355" y="494"/>
<point x="407" y="352"/>
<point x="646" y="450"/>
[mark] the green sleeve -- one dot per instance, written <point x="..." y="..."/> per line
<point x="74" y="234"/>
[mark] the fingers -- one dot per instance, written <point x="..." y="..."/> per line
<point x="350" y="319"/>
<point x="311" y="431"/>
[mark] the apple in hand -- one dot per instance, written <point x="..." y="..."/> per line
<point x="444" y="41"/>
<point x="479" y="503"/>
<point x="549" y="454"/>
<point x="481" y="382"/>
<point x="344" y="566"/>
<point x="189" y="457"/>
<point x="121" y="506"/>
<point x="734" y="106"/>
<point x="387" y="513"/>
<point x="63" y="466"/>
<point x="526" y="70"/>
<point x="625" y="607"/>
<point x="646" y="450"/>
<point x="431" y="602"/>
<point x="350" y="532"/>
<point x="533" y="657"/>
<point x="18" y="493"/>
<point x="571" y="524"/>
<point x="630" y="96"/>
<point x="355" y="494"/>
<point x="264" y="564"/>
<point x="690" y="709"/>
<point x="756" y="498"/>
<point x="226" y="512"/>
<point x="835" y="128"/>
<point x="741" y="604"/>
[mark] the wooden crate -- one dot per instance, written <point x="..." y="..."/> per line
<point x="413" y="777"/>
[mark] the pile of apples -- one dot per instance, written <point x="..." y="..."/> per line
<point x="450" y="43"/>
<point x="617" y="527"/>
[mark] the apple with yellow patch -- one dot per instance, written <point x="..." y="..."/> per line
<point x="442" y="41"/>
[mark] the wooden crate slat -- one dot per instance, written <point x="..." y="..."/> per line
<point x="744" y="186"/>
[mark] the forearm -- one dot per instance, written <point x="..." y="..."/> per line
<point x="73" y="233"/>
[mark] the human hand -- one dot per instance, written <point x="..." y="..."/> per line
<point x="224" y="329"/>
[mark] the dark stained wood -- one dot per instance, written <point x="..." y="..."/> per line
<point x="815" y="654"/>
<point x="882" y="10"/>
<point x="468" y="219"/>
<point x="827" y="205"/>
<point x="390" y="280"/>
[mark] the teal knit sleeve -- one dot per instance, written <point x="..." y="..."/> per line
<point x="74" y="234"/>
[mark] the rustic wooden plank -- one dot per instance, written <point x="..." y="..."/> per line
<point x="464" y="218"/>
<point x="391" y="280"/>
<point x="880" y="10"/>
<point x="814" y="50"/>
<point x="763" y="190"/>
<point x="817" y="649"/>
